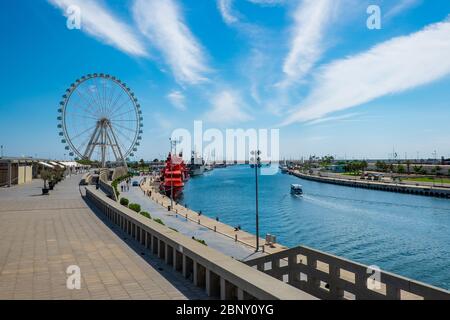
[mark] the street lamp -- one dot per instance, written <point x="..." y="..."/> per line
<point x="256" y="164"/>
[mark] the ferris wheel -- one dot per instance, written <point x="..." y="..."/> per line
<point x="100" y="119"/>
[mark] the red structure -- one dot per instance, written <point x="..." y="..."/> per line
<point x="173" y="176"/>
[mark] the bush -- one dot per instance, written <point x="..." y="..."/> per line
<point x="159" y="221"/>
<point x="135" y="207"/>
<point x="173" y="229"/>
<point x="146" y="214"/>
<point x="124" y="202"/>
<point x="203" y="242"/>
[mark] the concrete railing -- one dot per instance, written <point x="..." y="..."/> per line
<point x="106" y="187"/>
<point x="330" y="277"/>
<point x="221" y="276"/>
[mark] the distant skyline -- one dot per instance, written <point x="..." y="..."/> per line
<point x="311" y="68"/>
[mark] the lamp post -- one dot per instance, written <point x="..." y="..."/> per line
<point x="171" y="173"/>
<point x="256" y="164"/>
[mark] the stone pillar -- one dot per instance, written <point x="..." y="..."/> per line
<point x="184" y="266"/>
<point x="335" y="273"/>
<point x="174" y="252"/>
<point x="208" y="282"/>
<point x="223" y="289"/>
<point x="393" y="293"/>
<point x="9" y="174"/>
<point x="240" y="294"/>
<point x="146" y="240"/>
<point x="166" y="253"/>
<point x="195" y="275"/>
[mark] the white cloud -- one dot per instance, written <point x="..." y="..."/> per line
<point x="391" y="67"/>
<point x="400" y="7"/>
<point x="100" y="23"/>
<point x="344" y="117"/>
<point x="267" y="2"/>
<point x="306" y="45"/>
<point x="161" y="21"/>
<point x="227" y="107"/>
<point x="226" y="10"/>
<point x="177" y="99"/>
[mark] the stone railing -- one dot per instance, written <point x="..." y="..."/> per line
<point x="221" y="276"/>
<point x="106" y="186"/>
<point x="330" y="277"/>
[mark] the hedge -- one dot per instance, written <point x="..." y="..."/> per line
<point x="135" y="207"/>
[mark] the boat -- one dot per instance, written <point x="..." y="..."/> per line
<point x="173" y="176"/>
<point x="296" y="189"/>
<point x="197" y="165"/>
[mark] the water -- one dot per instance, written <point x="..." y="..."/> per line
<point x="405" y="234"/>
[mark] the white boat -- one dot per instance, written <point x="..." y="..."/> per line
<point x="296" y="189"/>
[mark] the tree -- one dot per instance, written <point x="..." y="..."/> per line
<point x="381" y="166"/>
<point x="363" y="165"/>
<point x="400" y="169"/>
<point x="45" y="175"/>
<point x="418" y="169"/>
<point x="408" y="166"/>
<point x="437" y="170"/>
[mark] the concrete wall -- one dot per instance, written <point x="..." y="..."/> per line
<point x="25" y="174"/>
<point x="331" y="277"/>
<point x="219" y="275"/>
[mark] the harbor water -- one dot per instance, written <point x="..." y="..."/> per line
<point x="405" y="234"/>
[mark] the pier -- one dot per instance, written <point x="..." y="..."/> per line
<point x="242" y="237"/>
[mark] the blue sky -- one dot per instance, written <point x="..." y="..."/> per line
<point x="311" y="68"/>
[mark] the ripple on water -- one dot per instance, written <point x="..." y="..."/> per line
<point x="405" y="234"/>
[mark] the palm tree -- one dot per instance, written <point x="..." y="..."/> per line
<point x="408" y="166"/>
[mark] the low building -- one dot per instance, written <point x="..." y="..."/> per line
<point x="15" y="171"/>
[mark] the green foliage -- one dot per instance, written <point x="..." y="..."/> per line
<point x="45" y="175"/>
<point x="418" y="169"/>
<point x="173" y="229"/>
<point x="381" y="166"/>
<point x="135" y="207"/>
<point x="124" y="202"/>
<point x="116" y="182"/>
<point x="356" y="166"/>
<point x="146" y="214"/>
<point x="159" y="221"/>
<point x="326" y="161"/>
<point x="203" y="242"/>
<point x="400" y="168"/>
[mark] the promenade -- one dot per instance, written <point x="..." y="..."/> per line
<point x="41" y="236"/>
<point x="220" y="236"/>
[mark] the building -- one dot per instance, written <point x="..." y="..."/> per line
<point x="17" y="171"/>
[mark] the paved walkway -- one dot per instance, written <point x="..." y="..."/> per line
<point x="40" y="236"/>
<point x="223" y="240"/>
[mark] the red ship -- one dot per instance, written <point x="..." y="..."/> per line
<point x="173" y="176"/>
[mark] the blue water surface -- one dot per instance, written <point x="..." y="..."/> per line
<point x="405" y="234"/>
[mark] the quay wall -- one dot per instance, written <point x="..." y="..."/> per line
<point x="219" y="275"/>
<point x="391" y="187"/>
<point x="330" y="277"/>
